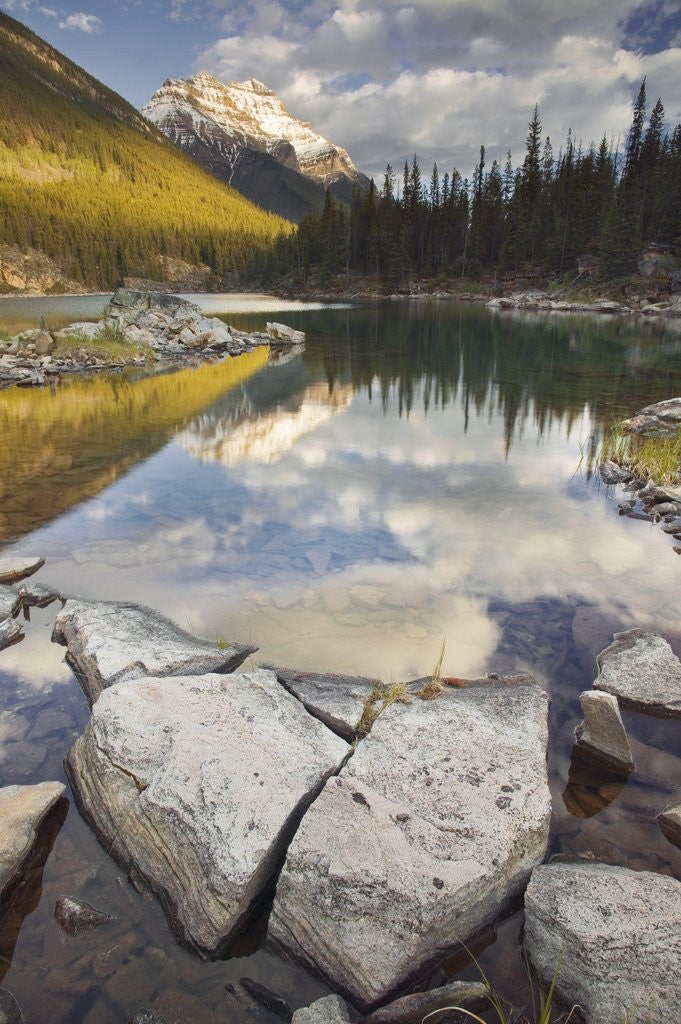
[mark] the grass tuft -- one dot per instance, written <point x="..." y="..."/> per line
<point x="650" y="458"/>
<point x="109" y="344"/>
<point x="380" y="698"/>
<point x="435" y="686"/>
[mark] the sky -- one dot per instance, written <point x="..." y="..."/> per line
<point x="392" y="78"/>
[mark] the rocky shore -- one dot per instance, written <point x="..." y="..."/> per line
<point x="137" y="328"/>
<point x="387" y="824"/>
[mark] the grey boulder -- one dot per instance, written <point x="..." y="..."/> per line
<point x="110" y="641"/>
<point x="642" y="671"/>
<point x="282" y="334"/>
<point x="601" y="734"/>
<point x="10" y="632"/>
<point x="329" y="1010"/>
<point x="22" y="810"/>
<point x="611" y="473"/>
<point x="197" y="784"/>
<point x="614" y="934"/>
<point x="431" y="829"/>
<point x="9" y="601"/>
<point x="16" y="567"/>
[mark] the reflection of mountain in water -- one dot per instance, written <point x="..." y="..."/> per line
<point x="246" y="434"/>
<point x="61" y="447"/>
<point x="528" y="369"/>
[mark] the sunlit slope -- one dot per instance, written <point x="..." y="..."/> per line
<point x="93" y="430"/>
<point x="87" y="180"/>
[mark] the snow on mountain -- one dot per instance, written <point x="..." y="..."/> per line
<point x="215" y="122"/>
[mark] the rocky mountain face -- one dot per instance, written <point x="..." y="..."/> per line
<point x="244" y="135"/>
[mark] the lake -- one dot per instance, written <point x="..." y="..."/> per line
<point x="420" y="474"/>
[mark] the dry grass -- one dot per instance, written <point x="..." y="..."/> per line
<point x="435" y="685"/>
<point x="380" y="698"/>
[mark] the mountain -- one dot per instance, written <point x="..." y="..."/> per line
<point x="244" y="135"/>
<point x="86" y="180"/>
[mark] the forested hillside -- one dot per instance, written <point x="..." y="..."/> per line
<point x="541" y="216"/>
<point x="87" y="180"/>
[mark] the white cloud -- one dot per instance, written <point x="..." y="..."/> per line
<point x="443" y="76"/>
<point x="83" y="22"/>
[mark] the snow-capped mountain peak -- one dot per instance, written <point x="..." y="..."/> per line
<point x="245" y="114"/>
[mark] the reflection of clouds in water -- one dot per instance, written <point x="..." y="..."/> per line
<point x="267" y="437"/>
<point x="367" y="541"/>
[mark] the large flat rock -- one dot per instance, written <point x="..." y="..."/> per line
<point x="431" y="829"/>
<point x="108" y="641"/>
<point x="197" y="783"/>
<point x="22" y="809"/>
<point x="642" y="671"/>
<point x="616" y="934"/>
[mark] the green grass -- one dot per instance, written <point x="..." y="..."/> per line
<point x="650" y="458"/>
<point x="109" y="345"/>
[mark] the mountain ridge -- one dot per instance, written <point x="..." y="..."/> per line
<point x="87" y="181"/>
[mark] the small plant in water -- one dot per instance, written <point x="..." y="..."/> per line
<point x="542" y="1003"/>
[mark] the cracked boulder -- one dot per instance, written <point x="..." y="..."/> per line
<point x="197" y="784"/>
<point x="22" y="811"/>
<point x="615" y="937"/>
<point x="108" y="641"/>
<point x="642" y="671"/>
<point x="429" y="832"/>
<point x="337" y="700"/>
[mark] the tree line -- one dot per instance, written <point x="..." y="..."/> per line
<point x="541" y="215"/>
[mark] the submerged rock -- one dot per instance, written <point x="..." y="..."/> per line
<point x="336" y="700"/>
<point x="15" y="568"/>
<point x="110" y="641"/>
<point x="669" y="821"/>
<point x="74" y="915"/>
<point x="197" y="784"/>
<point x="642" y="671"/>
<point x="602" y="734"/>
<point x="429" y="832"/>
<point x="412" y="1009"/>
<point x="22" y="810"/>
<point x="614" y="935"/>
<point x="329" y="1010"/>
<point x="10" y="1012"/>
<point x="267" y="998"/>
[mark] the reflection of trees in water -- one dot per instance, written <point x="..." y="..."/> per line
<point x="65" y="445"/>
<point x="551" y="368"/>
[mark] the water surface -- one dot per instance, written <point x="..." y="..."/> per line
<point x="420" y="473"/>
